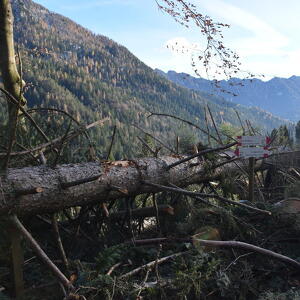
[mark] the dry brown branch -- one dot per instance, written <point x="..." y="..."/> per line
<point x="226" y="162"/>
<point x="113" y="268"/>
<point x="15" y="102"/>
<point x="214" y="51"/>
<point x="60" y="111"/>
<point x="59" y="241"/>
<point x="185" y="121"/>
<point x="195" y="194"/>
<point x="66" y="185"/>
<point x="152" y="264"/>
<point x="29" y="191"/>
<point x="60" y="147"/>
<point x="57" y="140"/>
<point x="155" y="138"/>
<point x="223" y="244"/>
<point x="242" y="245"/>
<point x="40" y="253"/>
<point x="214" y="123"/>
<point x="201" y="153"/>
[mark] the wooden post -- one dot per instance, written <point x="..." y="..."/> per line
<point x="17" y="261"/>
<point x="251" y="178"/>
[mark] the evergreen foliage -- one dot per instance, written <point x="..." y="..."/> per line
<point x="92" y="77"/>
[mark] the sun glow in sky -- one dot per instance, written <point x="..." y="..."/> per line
<point x="265" y="33"/>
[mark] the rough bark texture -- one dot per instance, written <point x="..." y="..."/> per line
<point x="8" y="67"/>
<point x="109" y="180"/>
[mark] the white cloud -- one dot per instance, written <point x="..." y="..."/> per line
<point x="263" y="37"/>
<point x="284" y="65"/>
<point x="263" y="49"/>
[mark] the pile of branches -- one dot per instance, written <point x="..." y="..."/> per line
<point x="175" y="226"/>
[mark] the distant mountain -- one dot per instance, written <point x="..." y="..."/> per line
<point x="279" y="96"/>
<point x="91" y="77"/>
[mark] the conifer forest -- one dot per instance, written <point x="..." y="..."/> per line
<point x="118" y="183"/>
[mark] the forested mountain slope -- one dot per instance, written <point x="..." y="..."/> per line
<point x="91" y="77"/>
<point x="280" y="96"/>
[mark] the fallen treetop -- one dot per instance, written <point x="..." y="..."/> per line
<point x="35" y="190"/>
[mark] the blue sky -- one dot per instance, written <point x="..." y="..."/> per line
<point x="265" y="33"/>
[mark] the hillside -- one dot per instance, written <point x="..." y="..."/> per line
<point x="79" y="221"/>
<point x="280" y="96"/>
<point x="91" y="77"/>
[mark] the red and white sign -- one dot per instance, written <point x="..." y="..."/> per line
<point x="257" y="152"/>
<point x="253" y="140"/>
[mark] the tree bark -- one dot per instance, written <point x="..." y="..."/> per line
<point x="86" y="183"/>
<point x="12" y="80"/>
<point x="8" y="66"/>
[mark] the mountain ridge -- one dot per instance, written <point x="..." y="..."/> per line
<point x="92" y="77"/>
<point x="267" y="95"/>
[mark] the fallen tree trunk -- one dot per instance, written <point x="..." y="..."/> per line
<point x="35" y="190"/>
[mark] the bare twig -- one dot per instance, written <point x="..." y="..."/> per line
<point x="59" y="242"/>
<point x="143" y="284"/>
<point x="236" y="259"/>
<point x="64" y="138"/>
<point x="152" y="264"/>
<point x="193" y="194"/>
<point x="223" y="244"/>
<point x="29" y="191"/>
<point x="185" y="121"/>
<point x="66" y="185"/>
<point x="201" y="153"/>
<point x="156" y="139"/>
<point x="113" y="268"/>
<point x="50" y="109"/>
<point x="13" y="100"/>
<point x="242" y="245"/>
<point x="225" y="162"/>
<point x="213" y="120"/>
<point x="238" y="115"/>
<point x="57" y="140"/>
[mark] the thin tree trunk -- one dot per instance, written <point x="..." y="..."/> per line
<point x="12" y="81"/>
<point x="8" y="66"/>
